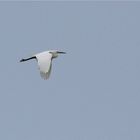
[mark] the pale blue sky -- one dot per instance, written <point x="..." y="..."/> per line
<point x="93" y="92"/>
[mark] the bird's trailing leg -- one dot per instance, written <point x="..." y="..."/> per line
<point x="22" y="60"/>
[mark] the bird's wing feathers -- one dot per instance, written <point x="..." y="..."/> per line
<point x="44" y="62"/>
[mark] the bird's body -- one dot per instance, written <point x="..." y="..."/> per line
<point x="44" y="60"/>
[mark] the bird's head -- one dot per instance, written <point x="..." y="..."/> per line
<point x="55" y="53"/>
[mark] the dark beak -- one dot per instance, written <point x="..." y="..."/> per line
<point x="61" y="52"/>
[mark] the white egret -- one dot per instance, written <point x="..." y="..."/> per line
<point x="44" y="60"/>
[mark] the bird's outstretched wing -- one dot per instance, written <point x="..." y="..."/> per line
<point x="45" y="63"/>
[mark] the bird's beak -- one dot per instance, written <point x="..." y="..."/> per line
<point x="62" y="52"/>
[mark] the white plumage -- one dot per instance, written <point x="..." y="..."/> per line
<point x="44" y="60"/>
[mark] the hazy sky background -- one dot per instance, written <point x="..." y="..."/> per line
<point x="93" y="92"/>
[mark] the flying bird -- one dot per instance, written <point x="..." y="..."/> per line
<point x="44" y="60"/>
